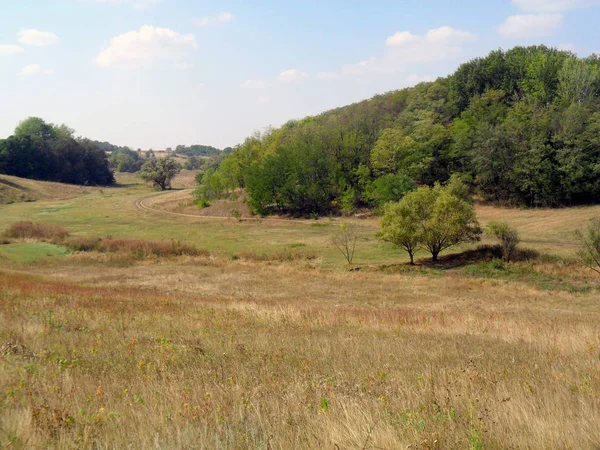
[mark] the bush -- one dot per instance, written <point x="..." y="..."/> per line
<point x="138" y="248"/>
<point x="141" y="248"/>
<point x="344" y="240"/>
<point x="284" y="255"/>
<point x="589" y="252"/>
<point x="202" y="203"/>
<point x="82" y="244"/>
<point x="508" y="237"/>
<point x="39" y="231"/>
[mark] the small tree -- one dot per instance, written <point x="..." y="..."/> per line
<point x="589" y="253"/>
<point x="345" y="241"/>
<point x="160" y="172"/>
<point x="508" y="237"/>
<point x="400" y="225"/>
<point x="448" y="219"/>
<point x="433" y="218"/>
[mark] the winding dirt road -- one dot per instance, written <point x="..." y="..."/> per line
<point x="142" y="206"/>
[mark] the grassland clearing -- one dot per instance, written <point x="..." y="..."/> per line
<point x="232" y="348"/>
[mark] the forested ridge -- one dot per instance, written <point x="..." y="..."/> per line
<point x="44" y="151"/>
<point x="521" y="127"/>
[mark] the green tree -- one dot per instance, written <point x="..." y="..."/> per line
<point x="401" y="224"/>
<point x="589" y="252"/>
<point x="160" y="172"/>
<point x="448" y="220"/>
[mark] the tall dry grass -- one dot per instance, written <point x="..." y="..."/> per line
<point x="38" y="231"/>
<point x="259" y="356"/>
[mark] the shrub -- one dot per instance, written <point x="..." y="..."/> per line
<point x="278" y="256"/>
<point x="39" y="231"/>
<point x="141" y="248"/>
<point x="202" y="203"/>
<point x="508" y="237"/>
<point x="82" y="244"/>
<point x="344" y="240"/>
<point x="589" y="252"/>
<point x="236" y="214"/>
<point x="138" y="248"/>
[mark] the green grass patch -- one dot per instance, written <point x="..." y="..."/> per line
<point x="26" y="252"/>
<point x="525" y="273"/>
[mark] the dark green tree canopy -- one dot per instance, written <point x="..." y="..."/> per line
<point x="521" y="126"/>
<point x="44" y="151"/>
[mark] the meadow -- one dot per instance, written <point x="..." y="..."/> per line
<point x="266" y="340"/>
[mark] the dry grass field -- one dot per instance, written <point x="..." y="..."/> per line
<point x="266" y="340"/>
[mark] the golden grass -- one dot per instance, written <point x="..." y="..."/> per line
<point x="211" y="353"/>
<point x="14" y="189"/>
<point x="266" y="343"/>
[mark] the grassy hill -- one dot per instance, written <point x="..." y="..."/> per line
<point x="267" y="341"/>
<point x="15" y="189"/>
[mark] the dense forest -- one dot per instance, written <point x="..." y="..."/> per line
<point x="196" y="150"/>
<point x="521" y="127"/>
<point x="44" y="151"/>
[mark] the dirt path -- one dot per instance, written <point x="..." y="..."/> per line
<point x="142" y="206"/>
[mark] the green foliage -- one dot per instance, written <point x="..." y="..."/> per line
<point x="589" y="252"/>
<point x="236" y="214"/>
<point x="522" y="125"/>
<point x="160" y="172"/>
<point x="123" y="159"/>
<point x="433" y="219"/>
<point x="197" y="150"/>
<point x="507" y="236"/>
<point x="49" y="152"/>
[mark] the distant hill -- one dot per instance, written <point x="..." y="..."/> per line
<point x="522" y="127"/>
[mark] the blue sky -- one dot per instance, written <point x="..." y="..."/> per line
<point x="157" y="73"/>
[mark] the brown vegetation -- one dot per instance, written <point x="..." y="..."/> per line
<point x="38" y="231"/>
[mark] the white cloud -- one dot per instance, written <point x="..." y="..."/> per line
<point x="254" y="84"/>
<point x="214" y="20"/>
<point x="37" y="38"/>
<point x="146" y="46"/>
<point x="530" y="25"/>
<point x="405" y="48"/>
<point x="263" y="100"/>
<point x="328" y="75"/>
<point x="553" y="6"/>
<point x="138" y="4"/>
<point x="449" y="35"/>
<point x="287" y="76"/>
<point x="401" y="38"/>
<point x="9" y="50"/>
<point x="35" y="69"/>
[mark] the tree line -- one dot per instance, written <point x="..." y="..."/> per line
<point x="520" y="127"/>
<point x="49" y="152"/>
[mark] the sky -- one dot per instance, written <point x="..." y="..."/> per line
<point x="158" y="73"/>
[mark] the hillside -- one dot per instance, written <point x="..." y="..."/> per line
<point x="15" y="189"/>
<point x="522" y="127"/>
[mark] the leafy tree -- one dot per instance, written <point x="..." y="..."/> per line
<point x="401" y="224"/>
<point x="433" y="218"/>
<point x="45" y="151"/>
<point x="507" y="236"/>
<point x="448" y="220"/>
<point x="589" y="252"/>
<point x="521" y="125"/>
<point x="160" y="172"/>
